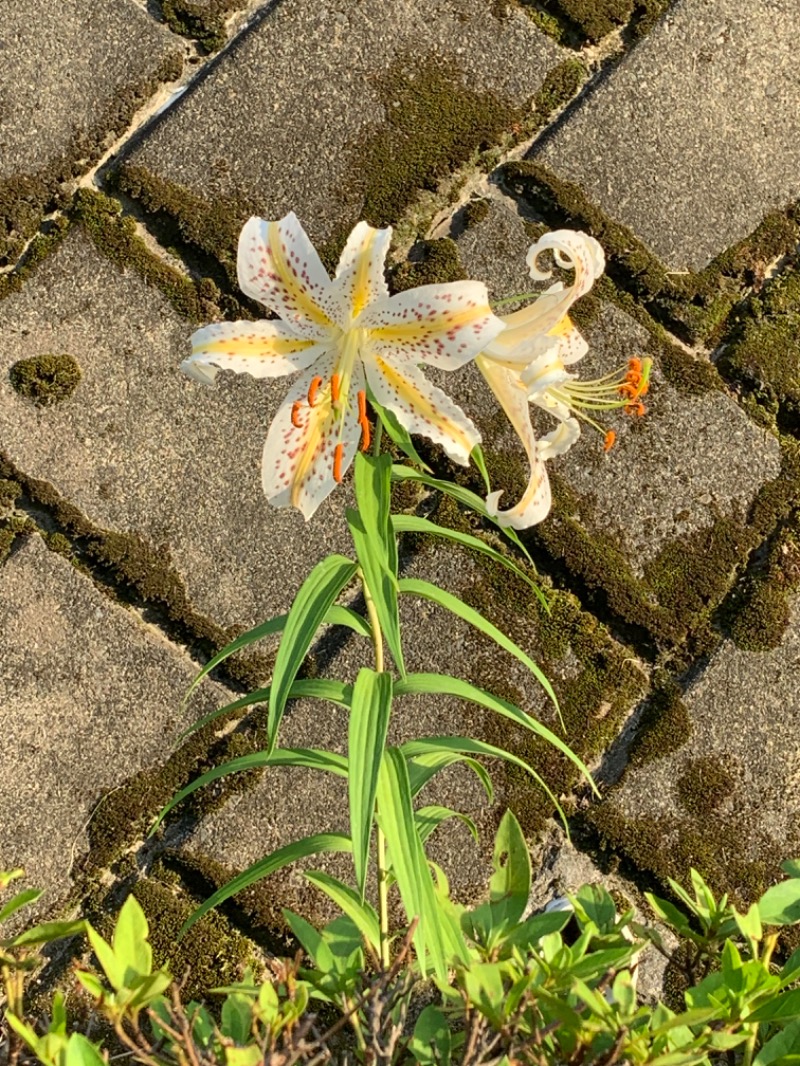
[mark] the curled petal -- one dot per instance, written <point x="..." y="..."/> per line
<point x="299" y="460"/>
<point x="261" y="349"/>
<point x="560" y="440"/>
<point x="397" y="383"/>
<point x="512" y="395"/>
<point x="571" y="249"/>
<point x="279" y="267"/>
<point x="442" y="325"/>
<point x="360" y="278"/>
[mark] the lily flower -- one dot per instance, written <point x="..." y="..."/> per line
<point x="347" y="339"/>
<point x="527" y="364"/>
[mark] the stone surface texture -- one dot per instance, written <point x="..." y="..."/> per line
<point x="89" y="696"/>
<point x="317" y="76"/>
<point x="695" y="135"/>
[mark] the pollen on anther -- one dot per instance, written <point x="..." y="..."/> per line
<point x="335" y="388"/>
<point x="312" y="390"/>
<point x="608" y="444"/>
<point x="296" y="415"/>
<point x="338" y="456"/>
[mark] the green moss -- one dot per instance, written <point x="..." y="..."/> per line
<point x="42" y="245"/>
<point x="704" y="785"/>
<point x="10" y="491"/>
<point x="693" y="305"/>
<point x="664" y="726"/>
<point x="116" y="238"/>
<point x="436" y="262"/>
<point x="7" y="537"/>
<point x="25" y="198"/>
<point x="59" y="544"/>
<point x="760" y="610"/>
<point x="45" y="379"/>
<point x="559" y="86"/>
<point x="204" y="22"/>
<point x="212" y="953"/>
<point x="573" y="22"/>
<point x="474" y="212"/>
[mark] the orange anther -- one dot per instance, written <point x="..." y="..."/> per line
<point x="312" y="390"/>
<point x="628" y="389"/>
<point x="609" y="441"/>
<point x="362" y="405"/>
<point x="637" y="408"/>
<point x="338" y="455"/>
<point x="296" y="415"/>
<point x="635" y="365"/>
<point x="335" y="388"/>
<point x="365" y="434"/>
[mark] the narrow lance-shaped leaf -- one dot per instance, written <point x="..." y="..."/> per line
<point x="445" y="685"/>
<point x="426" y="590"/>
<point x="317" y="844"/>
<point x="363" y="914"/>
<point x="309" y="758"/>
<point x="369" y="722"/>
<point x="312" y="603"/>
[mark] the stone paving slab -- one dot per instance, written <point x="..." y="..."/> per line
<point x="360" y="106"/>
<point x="597" y="680"/>
<point x="724" y="800"/>
<point x="89" y="695"/>
<point x="141" y="449"/>
<point x="71" y="77"/>
<point x="695" y="136"/>
<point x="644" y="519"/>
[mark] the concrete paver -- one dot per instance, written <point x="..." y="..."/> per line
<point x="71" y="77"/>
<point x="89" y="695"/>
<point x="360" y="106"/>
<point x="140" y="448"/>
<point x="695" y="135"/>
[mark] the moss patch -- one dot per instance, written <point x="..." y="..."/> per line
<point x="204" y="22"/>
<point x="45" y="379"/>
<point x="665" y="725"/>
<point x="704" y="785"/>
<point x="24" y="198"/>
<point x="759" y="610"/>
<point x="694" y="305"/>
<point x="434" y="263"/>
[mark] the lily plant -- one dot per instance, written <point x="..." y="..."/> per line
<point x="352" y="344"/>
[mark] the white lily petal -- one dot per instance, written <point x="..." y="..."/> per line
<point x="441" y="325"/>
<point x="511" y="393"/>
<point x="261" y="349"/>
<point x="398" y="384"/>
<point x="360" y="278"/>
<point x="560" y="440"/>
<point x="279" y="266"/>
<point x="573" y="250"/>
<point x="298" y="464"/>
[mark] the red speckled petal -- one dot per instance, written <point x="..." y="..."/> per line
<point x="261" y="349"/>
<point x="360" y="278"/>
<point x="397" y="383"/>
<point x="512" y="395"/>
<point x="297" y="465"/>
<point x="442" y="325"/>
<point x="279" y="266"/>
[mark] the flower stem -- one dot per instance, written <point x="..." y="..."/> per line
<point x="376" y="440"/>
<point x="383" y="873"/>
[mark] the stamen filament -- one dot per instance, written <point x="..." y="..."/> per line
<point x="296" y="415"/>
<point x="312" y="390"/>
<point x="338" y="456"/>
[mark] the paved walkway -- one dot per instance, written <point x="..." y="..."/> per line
<point x="134" y="540"/>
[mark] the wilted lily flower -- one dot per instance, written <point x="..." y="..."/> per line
<point x="347" y="338"/>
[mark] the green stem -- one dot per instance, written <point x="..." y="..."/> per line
<point x="383" y="873"/>
<point x="376" y="440"/>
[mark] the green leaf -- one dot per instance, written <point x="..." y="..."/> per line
<point x="129" y="942"/>
<point x="789" y="866"/>
<point x="369" y="723"/>
<point x="7" y="876"/>
<point x="511" y="865"/>
<point x="783" y="1044"/>
<point x="310" y="606"/>
<point x="427" y="591"/>
<point x="410" y="867"/>
<point x="337" y="692"/>
<point x="376" y="545"/>
<point x="317" y="844"/>
<point x="412" y="749"/>
<point x="81" y="1052"/>
<point x="397" y="433"/>
<point x="363" y="914"/>
<point x="444" y="685"/>
<point x="259" y="632"/>
<point x="750" y="923"/>
<point x="780" y="1007"/>
<point x="346" y="616"/>
<point x="425" y="767"/>
<point x="47" y="932"/>
<point x="244" y="1056"/>
<point x="404" y="523"/>
<point x="431" y="817"/>
<point x="478" y="459"/>
<point x="113" y="968"/>
<point x="780" y="905"/>
<point x="431" y="1043"/>
<point x="237" y="1018"/>
<point x="312" y="940"/>
<point x="463" y="496"/>
<point x="28" y="895"/>
<point x="309" y="758"/>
